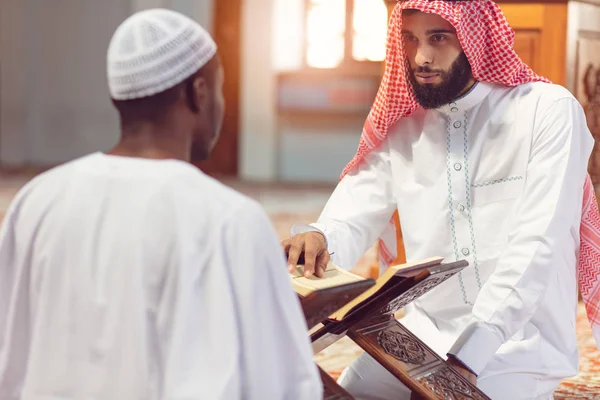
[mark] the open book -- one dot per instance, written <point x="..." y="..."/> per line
<point x="335" y="276"/>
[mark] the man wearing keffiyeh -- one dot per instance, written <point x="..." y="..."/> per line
<point x="485" y="161"/>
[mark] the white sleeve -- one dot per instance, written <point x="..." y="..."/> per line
<point x="276" y="355"/>
<point x="359" y="209"/>
<point x="551" y="200"/>
<point x="15" y="316"/>
<point x="7" y="275"/>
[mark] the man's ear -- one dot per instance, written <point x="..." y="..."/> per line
<point x="197" y="94"/>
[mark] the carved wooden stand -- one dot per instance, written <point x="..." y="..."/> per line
<point x="318" y="306"/>
<point x="373" y="328"/>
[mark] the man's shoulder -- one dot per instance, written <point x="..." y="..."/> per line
<point x="54" y="175"/>
<point x="194" y="189"/>
<point x="551" y="91"/>
<point x="179" y="180"/>
<point x="207" y="187"/>
<point x="544" y="94"/>
<point x="208" y="206"/>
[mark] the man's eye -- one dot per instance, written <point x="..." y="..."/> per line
<point x="410" y="38"/>
<point x="438" y="38"/>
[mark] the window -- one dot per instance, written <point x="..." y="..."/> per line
<point x="342" y="32"/>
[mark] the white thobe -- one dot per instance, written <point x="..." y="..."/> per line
<point x="135" y="279"/>
<point x="495" y="178"/>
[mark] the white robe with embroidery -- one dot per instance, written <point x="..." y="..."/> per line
<point x="136" y="279"/>
<point x="495" y="178"/>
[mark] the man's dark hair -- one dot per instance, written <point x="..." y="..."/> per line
<point x="152" y="108"/>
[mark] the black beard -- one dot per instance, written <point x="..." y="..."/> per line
<point x="453" y="83"/>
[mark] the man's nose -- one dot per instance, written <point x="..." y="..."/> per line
<point x="424" y="56"/>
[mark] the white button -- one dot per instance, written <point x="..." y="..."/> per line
<point x="457" y="124"/>
<point x="461" y="207"/>
<point x="466" y="251"/>
<point x="454" y="109"/>
<point x="457" y="166"/>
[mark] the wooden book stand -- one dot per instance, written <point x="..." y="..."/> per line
<point x="372" y="326"/>
<point x="320" y="304"/>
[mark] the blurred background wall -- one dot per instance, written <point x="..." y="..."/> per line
<point x="300" y="76"/>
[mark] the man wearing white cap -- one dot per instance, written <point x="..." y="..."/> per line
<point x="132" y="275"/>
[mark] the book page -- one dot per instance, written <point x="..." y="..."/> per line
<point x="333" y="276"/>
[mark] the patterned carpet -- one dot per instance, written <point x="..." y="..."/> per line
<point x="586" y="385"/>
<point x="290" y="204"/>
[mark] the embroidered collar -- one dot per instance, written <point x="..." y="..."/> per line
<point x="474" y="96"/>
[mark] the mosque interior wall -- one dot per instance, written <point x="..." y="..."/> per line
<point x="54" y="102"/>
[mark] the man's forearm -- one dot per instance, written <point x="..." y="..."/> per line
<point x="358" y="210"/>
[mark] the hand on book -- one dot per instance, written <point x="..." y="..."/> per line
<point x="310" y="249"/>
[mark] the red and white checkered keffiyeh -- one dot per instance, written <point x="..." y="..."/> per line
<point x="487" y="40"/>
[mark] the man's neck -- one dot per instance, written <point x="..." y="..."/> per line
<point x="146" y="140"/>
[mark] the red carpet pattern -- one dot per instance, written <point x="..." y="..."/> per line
<point x="586" y="385"/>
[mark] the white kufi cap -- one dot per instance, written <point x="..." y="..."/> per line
<point x="154" y="50"/>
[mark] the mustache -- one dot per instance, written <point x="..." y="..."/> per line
<point x="427" y="70"/>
